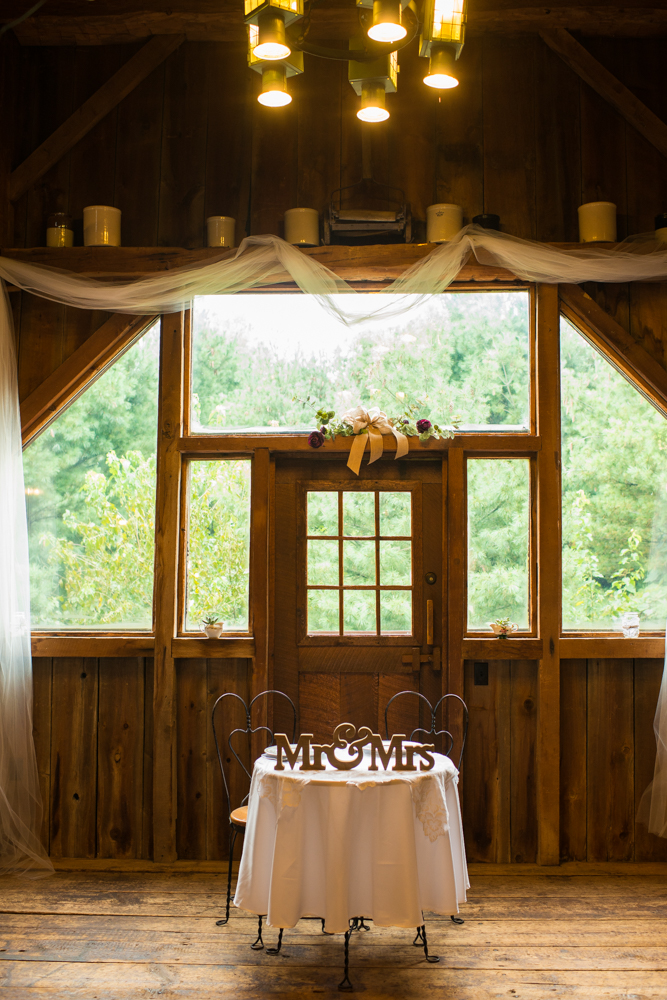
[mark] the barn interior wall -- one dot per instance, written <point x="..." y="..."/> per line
<point x="522" y="137"/>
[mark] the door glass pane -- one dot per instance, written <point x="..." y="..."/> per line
<point x="256" y="358"/>
<point x="322" y="562"/>
<point x="359" y="513"/>
<point x="396" y="563"/>
<point x="322" y="513"/>
<point x="359" y="611"/>
<point x="90" y="501"/>
<point x="359" y="556"/>
<point x="218" y="559"/>
<point x="359" y="563"/>
<point x="395" y="514"/>
<point x="614" y="495"/>
<point x="498" y="541"/>
<point x="396" y="611"/>
<point x="323" y="611"/>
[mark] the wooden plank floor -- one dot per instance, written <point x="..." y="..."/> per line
<point x="580" y="931"/>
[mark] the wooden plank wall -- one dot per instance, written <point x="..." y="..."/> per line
<point x="92" y="733"/>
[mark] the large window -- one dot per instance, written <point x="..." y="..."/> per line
<point x="90" y="497"/>
<point x="614" y="494"/>
<point x="464" y="357"/>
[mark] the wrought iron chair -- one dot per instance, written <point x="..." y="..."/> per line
<point x="420" y="939"/>
<point x="238" y="816"/>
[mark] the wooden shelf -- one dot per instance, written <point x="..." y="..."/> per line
<point x="368" y="264"/>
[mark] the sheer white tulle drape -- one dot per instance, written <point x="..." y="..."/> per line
<point x="20" y="800"/>
<point x="259" y="261"/>
<point x="653" y="805"/>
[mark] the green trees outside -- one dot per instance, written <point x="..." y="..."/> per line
<point x="90" y="477"/>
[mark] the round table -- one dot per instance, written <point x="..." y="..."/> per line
<point x="340" y="844"/>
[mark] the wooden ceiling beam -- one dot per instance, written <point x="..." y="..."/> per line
<point x="91" y="112"/>
<point x="225" y="23"/>
<point x="76" y="373"/>
<point x="615" y="343"/>
<point x="607" y="86"/>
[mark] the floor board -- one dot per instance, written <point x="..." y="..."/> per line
<point x="576" y="935"/>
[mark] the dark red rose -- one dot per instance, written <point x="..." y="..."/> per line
<point x="316" y="439"/>
<point x="423" y="426"/>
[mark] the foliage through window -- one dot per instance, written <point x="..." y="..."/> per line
<point x="218" y="558"/>
<point x="498" y="541"/>
<point x="614" y="494"/>
<point x="463" y="356"/>
<point x="90" y="497"/>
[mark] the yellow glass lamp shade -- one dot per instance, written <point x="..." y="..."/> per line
<point x="274" y="87"/>
<point x="372" y="102"/>
<point x="444" y="21"/>
<point x="441" y="74"/>
<point x="271" y="39"/>
<point x="387" y="25"/>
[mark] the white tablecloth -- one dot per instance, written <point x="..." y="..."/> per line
<point x="342" y="844"/>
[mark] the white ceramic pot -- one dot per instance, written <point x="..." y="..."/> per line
<point x="213" y="631"/>
<point x="499" y="630"/>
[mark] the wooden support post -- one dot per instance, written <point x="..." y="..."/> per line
<point x="259" y="582"/>
<point x="454" y="513"/>
<point x="91" y="112"/>
<point x="167" y="519"/>
<point x="607" y="86"/>
<point x="76" y="373"/>
<point x="549" y="575"/>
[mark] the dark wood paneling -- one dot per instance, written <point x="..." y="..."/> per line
<point x="573" y="709"/>
<point x="74" y="758"/>
<point x="191" y="716"/>
<point x="523" y="734"/>
<point x="41" y="729"/>
<point x="120" y="770"/>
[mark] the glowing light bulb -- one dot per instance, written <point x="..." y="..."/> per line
<point x="274" y="88"/>
<point x="372" y="103"/>
<point x="440" y="74"/>
<point x="387" y="25"/>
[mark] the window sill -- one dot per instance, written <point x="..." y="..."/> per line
<point x="119" y="645"/>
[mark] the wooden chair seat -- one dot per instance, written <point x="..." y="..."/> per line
<point x="240" y="816"/>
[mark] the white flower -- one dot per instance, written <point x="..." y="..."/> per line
<point x="400" y="395"/>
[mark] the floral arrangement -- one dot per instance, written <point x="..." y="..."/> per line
<point x="330" y="426"/>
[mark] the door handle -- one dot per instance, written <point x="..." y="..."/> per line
<point x="429" y="623"/>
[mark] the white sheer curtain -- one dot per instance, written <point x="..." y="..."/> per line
<point x="259" y="261"/>
<point x="20" y="800"/>
<point x="653" y="806"/>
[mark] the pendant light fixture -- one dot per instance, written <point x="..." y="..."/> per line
<point x="443" y="35"/>
<point x="372" y="81"/>
<point x="270" y="18"/>
<point x="275" y="73"/>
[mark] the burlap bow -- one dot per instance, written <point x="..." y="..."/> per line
<point x="375" y="423"/>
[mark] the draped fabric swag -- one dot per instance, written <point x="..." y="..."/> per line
<point x="258" y="262"/>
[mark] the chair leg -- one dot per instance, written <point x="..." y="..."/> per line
<point x="457" y="920"/>
<point x="258" y="945"/>
<point x="429" y="958"/>
<point x="358" y="924"/>
<point x="345" y="984"/>
<point x="232" y="840"/>
<point x="419" y="938"/>
<point x="276" y="950"/>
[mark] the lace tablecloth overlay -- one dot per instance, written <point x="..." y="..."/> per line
<point x="339" y="844"/>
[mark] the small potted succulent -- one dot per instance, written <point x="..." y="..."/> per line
<point x="212" y="625"/>
<point x="503" y="626"/>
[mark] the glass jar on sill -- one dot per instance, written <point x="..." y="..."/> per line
<point x="59" y="232"/>
<point x="630" y="625"/>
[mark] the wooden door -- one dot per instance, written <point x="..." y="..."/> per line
<point x="359" y="596"/>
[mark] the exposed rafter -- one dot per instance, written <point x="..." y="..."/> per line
<point x="608" y="87"/>
<point x="224" y="22"/>
<point x="78" y="371"/>
<point x="91" y="112"/>
<point x="612" y="340"/>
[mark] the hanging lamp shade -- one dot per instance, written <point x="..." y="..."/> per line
<point x="372" y="81"/>
<point x="441" y="68"/>
<point x="444" y="22"/>
<point x="387" y="25"/>
<point x="275" y="73"/>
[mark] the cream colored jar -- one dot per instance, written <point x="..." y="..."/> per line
<point x="597" y="222"/>
<point x="443" y="222"/>
<point x="220" y="231"/>
<point x="302" y="227"/>
<point x="101" y="226"/>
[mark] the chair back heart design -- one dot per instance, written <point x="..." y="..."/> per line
<point x="432" y="732"/>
